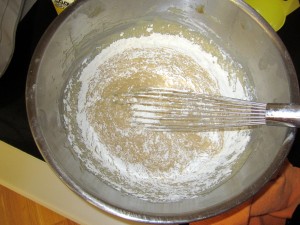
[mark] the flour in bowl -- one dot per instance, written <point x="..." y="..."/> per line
<point x="155" y="166"/>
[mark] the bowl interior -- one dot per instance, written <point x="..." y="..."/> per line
<point x="233" y="25"/>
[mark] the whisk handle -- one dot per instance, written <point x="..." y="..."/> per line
<point x="283" y="114"/>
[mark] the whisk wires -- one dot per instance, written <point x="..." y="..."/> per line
<point x="179" y="110"/>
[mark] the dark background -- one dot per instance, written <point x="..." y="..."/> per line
<point x="14" y="128"/>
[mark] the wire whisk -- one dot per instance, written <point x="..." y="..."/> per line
<point x="163" y="109"/>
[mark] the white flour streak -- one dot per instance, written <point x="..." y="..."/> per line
<point x="157" y="167"/>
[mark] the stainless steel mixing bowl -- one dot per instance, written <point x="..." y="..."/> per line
<point x="232" y="24"/>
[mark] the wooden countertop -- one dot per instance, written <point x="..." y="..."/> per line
<point x="33" y="179"/>
<point x="16" y="209"/>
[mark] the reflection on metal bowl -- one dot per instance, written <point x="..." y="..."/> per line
<point x="81" y="33"/>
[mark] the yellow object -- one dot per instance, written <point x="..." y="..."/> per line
<point x="60" y="5"/>
<point x="274" y="11"/>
